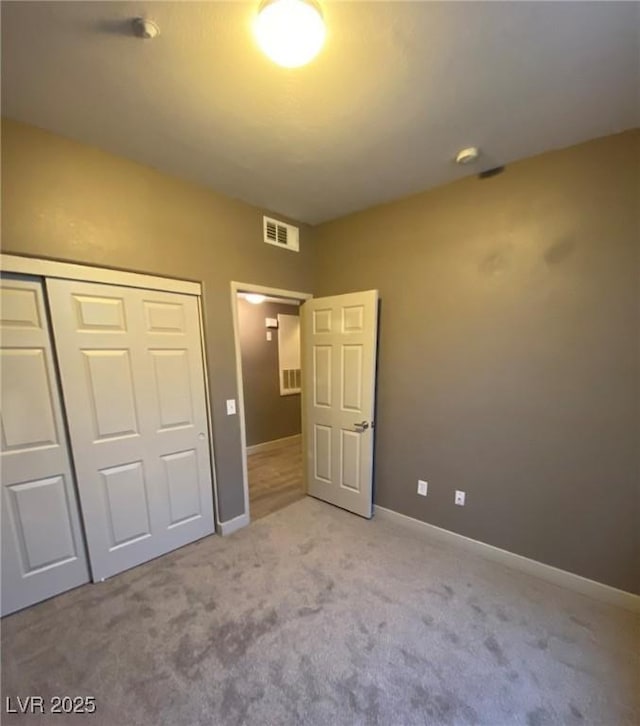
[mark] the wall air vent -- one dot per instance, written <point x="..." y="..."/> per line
<point x="281" y="234"/>
<point x="290" y="381"/>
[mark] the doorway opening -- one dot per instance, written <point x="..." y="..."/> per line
<point x="269" y="377"/>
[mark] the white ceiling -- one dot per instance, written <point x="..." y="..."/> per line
<point x="397" y="90"/>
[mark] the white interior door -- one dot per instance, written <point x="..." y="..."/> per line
<point x="42" y="545"/>
<point x="133" y="382"/>
<point x="339" y="337"/>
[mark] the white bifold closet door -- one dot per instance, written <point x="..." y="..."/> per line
<point x="43" y="551"/>
<point x="133" y="382"/>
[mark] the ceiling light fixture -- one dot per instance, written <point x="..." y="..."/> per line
<point x="290" y="32"/>
<point x="254" y="298"/>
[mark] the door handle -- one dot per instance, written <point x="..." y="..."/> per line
<point x="361" y="427"/>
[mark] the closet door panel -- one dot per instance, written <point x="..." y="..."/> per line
<point x="173" y="349"/>
<point x="132" y="376"/>
<point x="42" y="546"/>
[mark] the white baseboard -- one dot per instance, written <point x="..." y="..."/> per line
<point x="591" y="588"/>
<point x="268" y="445"/>
<point x="233" y="525"/>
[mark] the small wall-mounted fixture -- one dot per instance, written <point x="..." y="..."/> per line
<point x="145" y="29"/>
<point x="488" y="173"/>
<point x="290" y="32"/>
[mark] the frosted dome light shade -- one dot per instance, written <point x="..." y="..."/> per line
<point x="290" y="32"/>
<point x="254" y="298"/>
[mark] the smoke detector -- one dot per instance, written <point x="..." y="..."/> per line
<point x="145" y="29"/>
<point x="468" y="155"/>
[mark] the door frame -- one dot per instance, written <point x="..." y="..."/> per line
<point x="237" y="287"/>
<point x="47" y="268"/>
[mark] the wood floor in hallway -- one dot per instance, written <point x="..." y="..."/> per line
<point x="275" y="477"/>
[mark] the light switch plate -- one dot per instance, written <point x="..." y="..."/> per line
<point x="460" y="498"/>
<point x="422" y="487"/>
<point x="269" y="335"/>
<point x="231" y="406"/>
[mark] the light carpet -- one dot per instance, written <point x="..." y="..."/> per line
<point x="315" y="616"/>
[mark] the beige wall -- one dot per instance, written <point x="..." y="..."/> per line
<point x="509" y="356"/>
<point x="268" y="415"/>
<point x="68" y="201"/>
<point x="509" y="346"/>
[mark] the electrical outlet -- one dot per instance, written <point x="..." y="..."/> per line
<point x="460" y="497"/>
<point x="422" y="487"/>
<point x="231" y="406"/>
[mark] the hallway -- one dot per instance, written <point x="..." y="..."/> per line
<point x="275" y="477"/>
